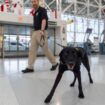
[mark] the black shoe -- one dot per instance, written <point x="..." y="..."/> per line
<point x="54" y="67"/>
<point x="28" y="70"/>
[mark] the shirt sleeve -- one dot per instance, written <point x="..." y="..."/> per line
<point x="44" y="14"/>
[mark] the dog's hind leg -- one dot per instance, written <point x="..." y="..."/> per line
<point x="58" y="78"/>
<point x="73" y="83"/>
<point x="85" y="62"/>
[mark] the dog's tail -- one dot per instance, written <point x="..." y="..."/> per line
<point x="61" y="45"/>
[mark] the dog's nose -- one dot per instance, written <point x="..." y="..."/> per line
<point x="70" y="62"/>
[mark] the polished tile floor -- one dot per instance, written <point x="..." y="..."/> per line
<point x="31" y="89"/>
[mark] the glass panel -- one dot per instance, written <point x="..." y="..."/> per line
<point x="23" y="44"/>
<point x="13" y="29"/>
<point x="101" y="26"/>
<point x="1" y="45"/>
<point x="21" y="30"/>
<point x="70" y="36"/>
<point x="10" y="43"/>
<point x="17" y="40"/>
<point x="1" y="29"/>
<point x="92" y="37"/>
<point x="68" y="27"/>
<point x="28" y="30"/>
<point x="85" y="24"/>
<point x="91" y="23"/>
<point x="72" y="27"/>
<point x="79" y="37"/>
<point x="96" y="27"/>
<point x="6" y="29"/>
<point x="13" y="43"/>
<point x="51" y="39"/>
<point x="79" y="25"/>
<point x="6" y="42"/>
<point x="27" y="43"/>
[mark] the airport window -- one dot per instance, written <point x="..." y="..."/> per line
<point x="1" y="29"/>
<point x="96" y="27"/>
<point x="16" y="40"/>
<point x="72" y="27"/>
<point x="28" y="30"/>
<point x="16" y="30"/>
<point x="101" y="27"/>
<point x="85" y="24"/>
<point x="76" y="29"/>
<point x="80" y="27"/>
<point x="10" y="29"/>
<point x="21" y="30"/>
<point x="79" y="37"/>
<point x="70" y="36"/>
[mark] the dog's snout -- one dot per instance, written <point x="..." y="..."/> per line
<point x="71" y="62"/>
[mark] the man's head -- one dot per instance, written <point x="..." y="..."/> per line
<point x="35" y="4"/>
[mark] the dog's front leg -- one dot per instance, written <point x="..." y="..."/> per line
<point x="58" y="78"/>
<point x="73" y="83"/>
<point x="81" y="95"/>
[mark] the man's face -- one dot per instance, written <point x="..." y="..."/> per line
<point x="35" y="3"/>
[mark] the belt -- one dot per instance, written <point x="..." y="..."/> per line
<point x="36" y="29"/>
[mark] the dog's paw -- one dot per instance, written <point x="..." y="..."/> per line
<point x="72" y="85"/>
<point x="47" y="100"/>
<point x="91" y="81"/>
<point x="81" y="96"/>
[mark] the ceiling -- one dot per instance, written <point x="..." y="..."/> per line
<point x="87" y="8"/>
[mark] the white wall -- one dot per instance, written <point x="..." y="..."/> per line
<point x="15" y="19"/>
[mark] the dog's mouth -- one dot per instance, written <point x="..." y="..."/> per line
<point x="71" y="65"/>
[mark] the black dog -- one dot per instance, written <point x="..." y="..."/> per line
<point x="71" y="59"/>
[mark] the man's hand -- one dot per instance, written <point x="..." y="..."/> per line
<point x="42" y="32"/>
<point x="42" y="39"/>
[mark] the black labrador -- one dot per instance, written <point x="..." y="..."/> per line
<point x="71" y="59"/>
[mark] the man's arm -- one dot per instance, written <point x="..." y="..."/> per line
<point x="43" y="25"/>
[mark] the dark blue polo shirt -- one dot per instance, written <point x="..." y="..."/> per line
<point x="39" y="15"/>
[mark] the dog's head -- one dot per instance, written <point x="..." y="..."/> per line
<point x="70" y="56"/>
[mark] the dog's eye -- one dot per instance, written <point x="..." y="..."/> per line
<point x="74" y="53"/>
<point x="67" y="52"/>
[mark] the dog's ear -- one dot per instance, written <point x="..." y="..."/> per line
<point x="79" y="53"/>
<point x="60" y="55"/>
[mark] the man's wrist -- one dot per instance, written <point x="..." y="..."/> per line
<point x="42" y="30"/>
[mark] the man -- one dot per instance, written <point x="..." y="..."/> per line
<point x="39" y="37"/>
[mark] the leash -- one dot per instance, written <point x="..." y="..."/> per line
<point x="42" y="40"/>
<point x="61" y="45"/>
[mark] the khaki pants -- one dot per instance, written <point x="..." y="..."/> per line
<point x="35" y="42"/>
